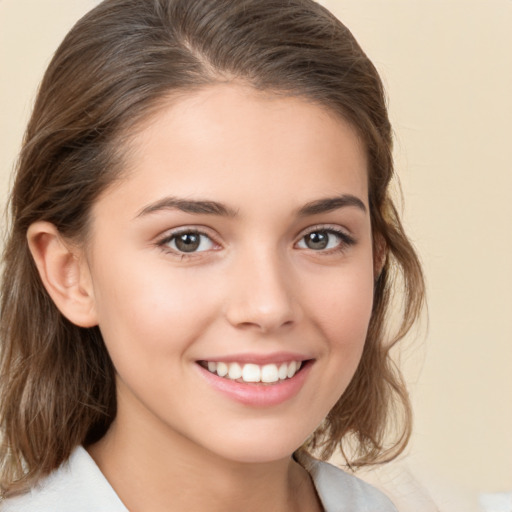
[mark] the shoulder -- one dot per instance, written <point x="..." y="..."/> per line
<point x="77" y="486"/>
<point x="342" y="492"/>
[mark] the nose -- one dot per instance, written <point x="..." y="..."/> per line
<point x="261" y="294"/>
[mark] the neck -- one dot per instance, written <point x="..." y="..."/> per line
<point x="163" y="471"/>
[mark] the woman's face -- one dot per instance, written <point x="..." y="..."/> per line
<point x="239" y="242"/>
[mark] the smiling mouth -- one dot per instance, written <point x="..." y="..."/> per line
<point x="253" y="373"/>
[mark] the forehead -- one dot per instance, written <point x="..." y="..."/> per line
<point x="235" y="143"/>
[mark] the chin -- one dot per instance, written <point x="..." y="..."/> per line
<point x="263" y="446"/>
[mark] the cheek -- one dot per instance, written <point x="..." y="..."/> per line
<point x="343" y="311"/>
<point x="339" y="315"/>
<point x="343" y="314"/>
<point x="151" y="309"/>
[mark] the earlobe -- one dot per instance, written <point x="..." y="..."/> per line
<point x="63" y="272"/>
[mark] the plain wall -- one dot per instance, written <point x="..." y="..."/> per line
<point x="447" y="66"/>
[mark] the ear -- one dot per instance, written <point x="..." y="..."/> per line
<point x="64" y="273"/>
<point x="380" y="253"/>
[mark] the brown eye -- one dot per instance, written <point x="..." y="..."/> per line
<point x="318" y="240"/>
<point x="325" y="240"/>
<point x="189" y="241"/>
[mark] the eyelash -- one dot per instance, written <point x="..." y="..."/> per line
<point x="345" y="241"/>
<point x="164" y="242"/>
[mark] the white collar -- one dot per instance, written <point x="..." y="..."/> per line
<point x="79" y="486"/>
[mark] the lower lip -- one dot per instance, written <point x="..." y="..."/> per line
<point x="258" y="395"/>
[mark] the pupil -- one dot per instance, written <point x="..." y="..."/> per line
<point x="188" y="242"/>
<point x="318" y="240"/>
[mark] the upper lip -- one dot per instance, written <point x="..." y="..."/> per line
<point x="259" y="359"/>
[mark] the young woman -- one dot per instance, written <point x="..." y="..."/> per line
<point x="200" y="267"/>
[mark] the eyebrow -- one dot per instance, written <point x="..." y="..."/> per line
<point x="188" y="206"/>
<point x="331" y="203"/>
<point x="204" y="207"/>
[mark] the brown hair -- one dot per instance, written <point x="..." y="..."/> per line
<point x="57" y="387"/>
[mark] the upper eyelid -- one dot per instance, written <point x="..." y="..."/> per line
<point x="210" y="233"/>
<point x="163" y="241"/>
<point x="335" y="228"/>
<point x="172" y="232"/>
<point x="345" y="237"/>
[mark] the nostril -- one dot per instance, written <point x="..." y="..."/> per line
<point x="262" y="296"/>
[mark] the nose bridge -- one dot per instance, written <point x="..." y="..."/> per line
<point x="262" y="291"/>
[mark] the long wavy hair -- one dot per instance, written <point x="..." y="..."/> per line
<point x="113" y="69"/>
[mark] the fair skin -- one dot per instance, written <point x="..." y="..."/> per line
<point x="273" y="266"/>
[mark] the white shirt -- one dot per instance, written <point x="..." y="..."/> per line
<point x="79" y="486"/>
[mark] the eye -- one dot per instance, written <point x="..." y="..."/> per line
<point x="188" y="242"/>
<point x="324" y="240"/>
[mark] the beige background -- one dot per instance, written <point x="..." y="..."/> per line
<point x="448" y="70"/>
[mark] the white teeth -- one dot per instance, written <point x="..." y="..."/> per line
<point x="283" y="371"/>
<point x="222" y="369"/>
<point x="292" y="368"/>
<point x="250" y="372"/>
<point x="235" y="371"/>
<point x="269" y="373"/>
